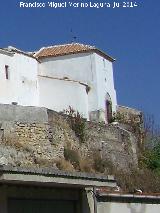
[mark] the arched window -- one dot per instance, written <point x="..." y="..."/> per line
<point x="108" y="106"/>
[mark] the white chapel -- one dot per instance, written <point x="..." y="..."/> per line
<point x="56" y="77"/>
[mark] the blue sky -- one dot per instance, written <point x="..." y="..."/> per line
<point x="131" y="35"/>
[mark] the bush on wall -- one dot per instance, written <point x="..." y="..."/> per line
<point x="77" y="123"/>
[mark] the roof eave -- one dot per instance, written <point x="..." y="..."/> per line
<point x="106" y="56"/>
<point x="52" y="177"/>
<point x="6" y="52"/>
<point x="99" y="52"/>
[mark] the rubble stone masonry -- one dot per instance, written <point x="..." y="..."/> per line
<point x="36" y="137"/>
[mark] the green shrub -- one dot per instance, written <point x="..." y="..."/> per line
<point x="77" y="123"/>
<point x="151" y="159"/>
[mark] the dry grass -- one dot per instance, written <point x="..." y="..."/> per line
<point x="145" y="179"/>
<point x="44" y="162"/>
<point x="86" y="165"/>
<point x="65" y="165"/>
<point x="17" y="144"/>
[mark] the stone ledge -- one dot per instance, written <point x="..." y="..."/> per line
<point x="28" y="114"/>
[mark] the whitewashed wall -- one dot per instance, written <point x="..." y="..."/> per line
<point x="22" y="85"/>
<point x="105" y="82"/>
<point x="60" y="94"/>
<point x="87" y="68"/>
<point x="111" y="207"/>
<point x="78" y="67"/>
<point x="75" y="66"/>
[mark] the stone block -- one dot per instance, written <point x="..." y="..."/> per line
<point x="23" y="114"/>
<point x="97" y="116"/>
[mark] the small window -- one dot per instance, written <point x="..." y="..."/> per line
<point x="7" y="71"/>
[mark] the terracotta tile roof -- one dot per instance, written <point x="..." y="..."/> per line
<point x="68" y="49"/>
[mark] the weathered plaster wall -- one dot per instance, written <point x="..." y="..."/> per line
<point x="40" y="140"/>
<point x="27" y="114"/>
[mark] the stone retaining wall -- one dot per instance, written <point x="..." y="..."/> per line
<point x="37" y="138"/>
